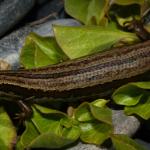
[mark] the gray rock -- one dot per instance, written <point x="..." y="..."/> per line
<point x="10" y="45"/>
<point x="45" y="29"/>
<point x="11" y="11"/>
<point x="143" y="143"/>
<point x="125" y="124"/>
<point x="82" y="146"/>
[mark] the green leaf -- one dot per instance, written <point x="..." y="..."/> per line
<point x="147" y="27"/>
<point x="19" y="145"/>
<point x="128" y="95"/>
<point x="125" y="19"/>
<point x="56" y="135"/>
<point x="28" y="135"/>
<point x="95" y="132"/>
<point x="103" y="114"/>
<point x="51" y="140"/>
<point x="100" y="102"/>
<point x="128" y="2"/>
<point x="31" y="138"/>
<point x="88" y="11"/>
<point x="68" y="122"/>
<point x="125" y="22"/>
<point x="95" y="121"/>
<point x="143" y="85"/>
<point x="46" y="110"/>
<point x="46" y="123"/>
<point x="94" y="110"/>
<point x="48" y="128"/>
<point x="7" y="131"/>
<point x="123" y="142"/>
<point x="141" y="109"/>
<point x="50" y="119"/>
<point x="136" y="96"/>
<point x="71" y="133"/>
<point x="37" y="48"/>
<point x="83" y="113"/>
<point x="81" y="41"/>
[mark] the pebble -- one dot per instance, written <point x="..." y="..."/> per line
<point x="4" y="65"/>
<point x="125" y="124"/>
<point x="83" y="146"/>
<point x="11" y="11"/>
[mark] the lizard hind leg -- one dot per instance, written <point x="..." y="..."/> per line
<point x="26" y="111"/>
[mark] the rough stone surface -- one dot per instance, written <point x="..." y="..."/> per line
<point x="11" y="11"/>
<point x="146" y="145"/>
<point x="125" y="124"/>
<point x="41" y="1"/>
<point x="44" y="10"/>
<point x="50" y="7"/>
<point x="10" y="45"/>
<point x="82" y="146"/>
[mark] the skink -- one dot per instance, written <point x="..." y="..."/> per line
<point x="83" y="73"/>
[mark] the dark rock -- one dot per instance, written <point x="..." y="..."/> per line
<point x="50" y="7"/>
<point x="11" y="11"/>
<point x="45" y="9"/>
<point x="41" y="1"/>
<point x="144" y="144"/>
